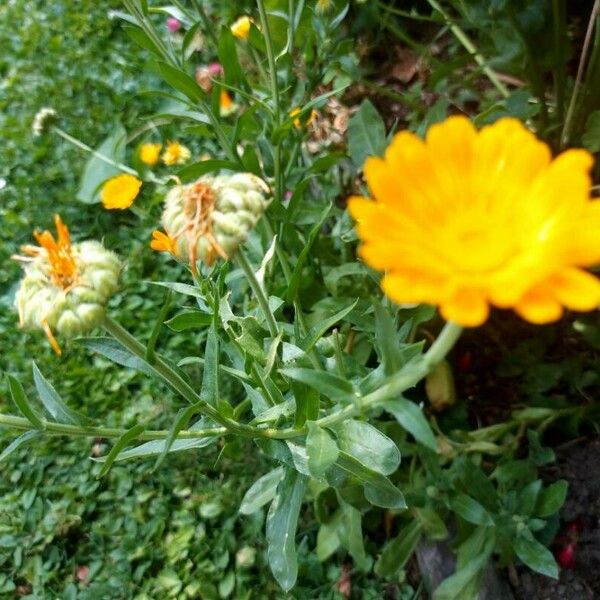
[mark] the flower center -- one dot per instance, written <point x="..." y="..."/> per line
<point x="63" y="270"/>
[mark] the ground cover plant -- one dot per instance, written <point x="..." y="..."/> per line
<point x="320" y="205"/>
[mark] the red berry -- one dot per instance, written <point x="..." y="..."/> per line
<point x="566" y="556"/>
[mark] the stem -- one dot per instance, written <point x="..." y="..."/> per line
<point x="264" y="23"/>
<point x="259" y="293"/>
<point x="209" y="27"/>
<point x="470" y="47"/>
<point x="79" y="144"/>
<point x="566" y="132"/>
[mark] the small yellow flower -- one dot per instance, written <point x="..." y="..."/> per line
<point x="302" y="121"/>
<point x="119" y="192"/>
<point x="161" y="242"/>
<point x="150" y="153"/>
<point x="241" y="27"/>
<point x="323" y="6"/>
<point x="226" y="104"/>
<point x="176" y="154"/>
<point x="467" y="219"/>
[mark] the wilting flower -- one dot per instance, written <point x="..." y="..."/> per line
<point x="468" y="219"/>
<point x="241" y="27"/>
<point x="42" y="120"/>
<point x="119" y="192"/>
<point x="161" y="242"/>
<point x="66" y="286"/>
<point x="211" y="217"/>
<point x="173" y="25"/>
<point x="226" y="104"/>
<point x="302" y="121"/>
<point x="150" y="153"/>
<point x="176" y="154"/>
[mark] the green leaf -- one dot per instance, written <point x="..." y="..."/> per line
<point x="411" y="417"/>
<point x="470" y="510"/>
<point x="366" y="134"/>
<point x="328" y="540"/>
<point x="128" y="437"/>
<point x="20" y="399"/>
<point x="162" y="314"/>
<point x="282" y="521"/>
<point x="307" y="403"/>
<point x="551" y="499"/>
<point x="112" y="350"/>
<point x="326" y="383"/>
<point x="528" y="497"/>
<point x="141" y="38"/>
<point x="296" y="277"/>
<point x="53" y="403"/>
<point x="316" y="332"/>
<point x="195" y="170"/>
<point x="23" y="439"/>
<point x="180" y="288"/>
<point x="97" y="171"/>
<point x="379" y="490"/>
<point x="535" y="556"/>
<point x="591" y="136"/>
<point x="351" y="537"/>
<point x="398" y="551"/>
<point x="261" y="492"/>
<point x="433" y="526"/>
<point x="369" y="446"/>
<point x="182" y="82"/>
<point x="209" y="392"/>
<point x="321" y="449"/>
<point x="228" y="57"/>
<point x="192" y="319"/>
<point x="386" y="339"/>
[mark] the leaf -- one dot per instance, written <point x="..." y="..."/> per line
<point x="261" y="492"/>
<point x="20" y="399"/>
<point x="112" y="350"/>
<point x="209" y="392"/>
<point x="369" y="446"/>
<point x="470" y="510"/>
<point x="326" y="383"/>
<point x="366" y="134"/>
<point x="296" y="277"/>
<point x="195" y="170"/>
<point x="328" y="540"/>
<point x="141" y="38"/>
<point x="97" y="171"/>
<point x="128" y="437"/>
<point x="180" y="288"/>
<point x="321" y="449"/>
<point x="379" y="490"/>
<point x="150" y="354"/>
<point x="591" y="136"/>
<point x="398" y="551"/>
<point x="386" y="340"/>
<point x="23" y="439"/>
<point x="282" y="520"/>
<point x="181" y="81"/>
<point x="191" y="319"/>
<point x="316" y="332"/>
<point x="528" y="496"/>
<point x="551" y="499"/>
<point x="228" y="57"/>
<point x="433" y="526"/>
<point x="350" y="535"/>
<point x="535" y="556"/>
<point x="307" y="403"/>
<point x="411" y="417"/>
<point x="53" y="403"/>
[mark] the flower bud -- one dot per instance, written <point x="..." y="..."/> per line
<point x="66" y="286"/>
<point x="214" y="215"/>
<point x="42" y="121"/>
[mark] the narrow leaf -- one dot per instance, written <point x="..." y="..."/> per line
<point x="209" y="392"/>
<point x="316" y="332"/>
<point x="536" y="556"/>
<point x="193" y="319"/>
<point x="411" y="417"/>
<point x="128" y="437"/>
<point x="23" y="439"/>
<point x="470" y="510"/>
<point x="261" y="492"/>
<point x="366" y="134"/>
<point x="20" y="399"/>
<point x="111" y="349"/>
<point x="398" y="551"/>
<point x="326" y="383"/>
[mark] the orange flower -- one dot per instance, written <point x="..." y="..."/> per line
<point x="119" y="192"/>
<point x="468" y="219"/>
<point x="226" y="104"/>
<point x="161" y="242"/>
<point x="150" y="153"/>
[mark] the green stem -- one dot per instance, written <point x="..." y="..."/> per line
<point x="209" y="27"/>
<point x="470" y="47"/>
<point x="264" y="23"/>
<point x="258" y="292"/>
<point x="79" y="144"/>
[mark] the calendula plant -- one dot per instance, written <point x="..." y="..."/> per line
<point x="326" y="371"/>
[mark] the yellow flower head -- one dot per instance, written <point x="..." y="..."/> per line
<point x="161" y="242"/>
<point x="227" y="106"/>
<point x="323" y="6"/>
<point x="119" y="192"/>
<point x="241" y="27"/>
<point x="175" y="154"/>
<point x="150" y="153"/>
<point x="302" y="121"/>
<point x="66" y="286"/>
<point x="468" y="219"/>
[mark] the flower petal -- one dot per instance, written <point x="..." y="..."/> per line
<point x="576" y="289"/>
<point x="538" y="306"/>
<point x="468" y="308"/>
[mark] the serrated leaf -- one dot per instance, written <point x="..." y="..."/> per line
<point x="129" y="436"/>
<point x="411" y="417"/>
<point x="369" y="446"/>
<point x="366" y="134"/>
<point x="20" y="399"/>
<point x="397" y="552"/>
<point x="52" y="401"/>
<point x="321" y="449"/>
<point x="111" y="349"/>
<point x="261" y="492"/>
<point x="551" y="499"/>
<point x="282" y="520"/>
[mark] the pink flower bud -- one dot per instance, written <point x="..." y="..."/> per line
<point x="173" y="24"/>
<point x="215" y="69"/>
